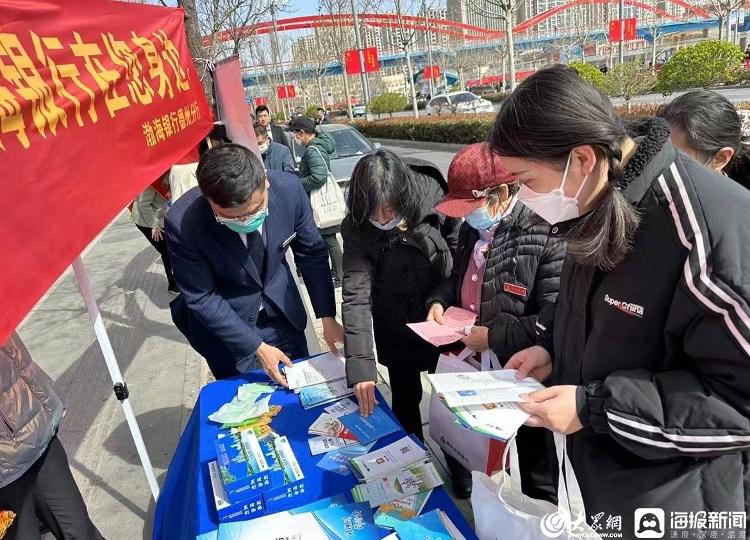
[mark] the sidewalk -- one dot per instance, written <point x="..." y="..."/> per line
<point x="163" y="373"/>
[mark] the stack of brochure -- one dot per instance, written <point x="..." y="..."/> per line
<point x="399" y="470"/>
<point x="485" y="401"/>
<point x="319" y="380"/>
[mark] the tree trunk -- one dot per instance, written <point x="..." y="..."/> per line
<point x="413" y="90"/>
<point x="461" y="78"/>
<point x="348" y="99"/>
<point x="320" y="92"/>
<point x="511" y="53"/>
<point x="653" y="51"/>
<point x="197" y="50"/>
<point x="502" y="75"/>
<point x="721" y="27"/>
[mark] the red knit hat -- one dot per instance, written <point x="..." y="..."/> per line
<point x="471" y="175"/>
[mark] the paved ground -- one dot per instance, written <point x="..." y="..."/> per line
<point x="163" y="373"/>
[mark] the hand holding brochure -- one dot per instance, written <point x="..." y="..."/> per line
<point x="320" y="369"/>
<point x="456" y="321"/>
<point x="476" y="388"/>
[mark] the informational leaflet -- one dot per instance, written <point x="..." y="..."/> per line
<point x="476" y="388"/>
<point x="326" y="424"/>
<point x="391" y="513"/>
<point x="435" y="525"/>
<point x="370" y="428"/>
<point x="397" y="455"/>
<point x="497" y="420"/>
<point x="409" y="481"/>
<point x="322" y="394"/>
<point x="324" y="443"/>
<point x="456" y="321"/>
<point x="324" y="368"/>
<point x="338" y="460"/>
<point x="340" y="408"/>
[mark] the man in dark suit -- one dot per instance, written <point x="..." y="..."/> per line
<point x="275" y="133"/>
<point x="239" y="306"/>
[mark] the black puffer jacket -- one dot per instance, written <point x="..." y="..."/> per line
<point x="388" y="276"/>
<point x="521" y="277"/>
<point x="660" y="347"/>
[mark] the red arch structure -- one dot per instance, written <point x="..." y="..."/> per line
<point x="440" y="26"/>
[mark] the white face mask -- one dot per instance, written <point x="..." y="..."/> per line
<point x="392" y="224"/>
<point x="553" y="206"/>
<point x="263" y="147"/>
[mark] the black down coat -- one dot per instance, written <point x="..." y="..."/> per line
<point x="388" y="276"/>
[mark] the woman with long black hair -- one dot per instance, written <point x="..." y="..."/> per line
<point x="649" y="369"/>
<point x="397" y="248"/>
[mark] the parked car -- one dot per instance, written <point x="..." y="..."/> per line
<point x="359" y="110"/>
<point x="459" y="103"/>
<point x="349" y="147"/>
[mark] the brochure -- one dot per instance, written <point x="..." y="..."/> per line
<point x="403" y="509"/>
<point x="327" y="424"/>
<point x="317" y="370"/>
<point x="431" y="526"/>
<point x="370" y="428"/>
<point x="338" y="460"/>
<point x="321" y="394"/>
<point x="325" y="443"/>
<point x="454" y="329"/>
<point x="397" y="455"/>
<point x="476" y="388"/>
<point x="497" y="420"/>
<point x="340" y="408"/>
<point x="412" y="480"/>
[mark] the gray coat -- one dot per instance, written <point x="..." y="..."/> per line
<point x="30" y="410"/>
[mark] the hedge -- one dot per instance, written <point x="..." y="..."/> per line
<point x="464" y="128"/>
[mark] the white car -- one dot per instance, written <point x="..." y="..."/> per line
<point x="359" y="110"/>
<point x="459" y="103"/>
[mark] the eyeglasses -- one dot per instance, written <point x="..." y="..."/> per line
<point x="244" y="220"/>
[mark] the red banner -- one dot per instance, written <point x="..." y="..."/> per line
<point x="432" y="72"/>
<point x="615" y="30"/>
<point x="291" y="91"/>
<point x="261" y="100"/>
<point x="284" y="92"/>
<point x="371" y="60"/>
<point x="97" y="100"/>
<point x="630" y="31"/>
<point x="351" y="62"/>
<point x="231" y="106"/>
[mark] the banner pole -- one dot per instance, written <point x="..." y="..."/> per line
<point x="120" y="388"/>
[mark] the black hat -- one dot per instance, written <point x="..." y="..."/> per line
<point x="303" y="123"/>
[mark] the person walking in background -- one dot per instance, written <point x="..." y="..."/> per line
<point x="276" y="156"/>
<point x="239" y="305"/>
<point x="706" y="126"/>
<point x="321" y="117"/>
<point x="148" y="215"/>
<point x="648" y="372"/>
<point x="507" y="271"/>
<point x="275" y="132"/>
<point x="314" y="168"/>
<point x="397" y="249"/>
<point x="35" y="479"/>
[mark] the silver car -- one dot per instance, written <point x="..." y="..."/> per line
<point x="459" y="103"/>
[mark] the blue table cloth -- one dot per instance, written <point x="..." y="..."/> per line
<point x="185" y="509"/>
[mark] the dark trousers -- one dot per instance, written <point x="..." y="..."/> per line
<point x="48" y="493"/>
<point x="161" y="247"/>
<point x="280" y="333"/>
<point x="406" y="391"/>
<point x="335" y="253"/>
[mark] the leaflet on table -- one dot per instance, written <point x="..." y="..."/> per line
<point x="397" y="455"/>
<point x="324" y="443"/>
<point x="434" y="525"/>
<point x="342" y="407"/>
<point x="327" y="424"/>
<point x="324" y="368"/>
<point x="350" y="521"/>
<point x="243" y="466"/>
<point x="320" y="394"/>
<point x="454" y="329"/>
<point x="497" y="420"/>
<point x="338" y="460"/>
<point x="370" y="428"/>
<point x="401" y="509"/>
<point x="413" y="479"/>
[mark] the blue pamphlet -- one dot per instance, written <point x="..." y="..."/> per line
<point x="370" y="428"/>
<point x="429" y="526"/>
<point x="338" y="460"/>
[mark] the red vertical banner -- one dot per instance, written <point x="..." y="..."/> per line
<point x="435" y="72"/>
<point x="84" y="85"/>
<point x="281" y="92"/>
<point x="230" y="103"/>
<point x="351" y="62"/>
<point x="615" y="30"/>
<point x="630" y="32"/>
<point x="427" y="72"/>
<point x="261" y="100"/>
<point x="291" y="92"/>
<point x="371" y="60"/>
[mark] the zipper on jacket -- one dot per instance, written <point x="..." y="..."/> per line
<point x="7" y="425"/>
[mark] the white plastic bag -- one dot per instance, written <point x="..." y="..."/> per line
<point x="476" y="452"/>
<point x="328" y="204"/>
<point x="503" y="512"/>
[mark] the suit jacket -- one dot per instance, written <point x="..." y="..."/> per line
<point x="221" y="289"/>
<point x="278" y="158"/>
<point x="278" y="135"/>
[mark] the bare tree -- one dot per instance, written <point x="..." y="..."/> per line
<point x="723" y="9"/>
<point x="654" y="25"/>
<point x="582" y="25"/>
<point x="262" y="55"/>
<point x="312" y="62"/>
<point x="503" y="10"/>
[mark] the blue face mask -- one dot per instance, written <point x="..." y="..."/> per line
<point x="392" y="224"/>
<point x="480" y="219"/>
<point x="249" y="227"/>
